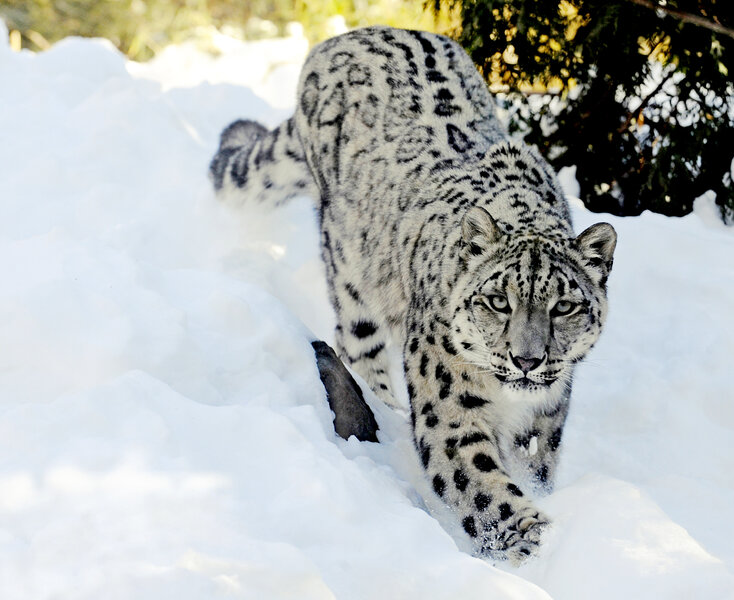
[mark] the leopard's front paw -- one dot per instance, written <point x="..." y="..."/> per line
<point x="519" y="538"/>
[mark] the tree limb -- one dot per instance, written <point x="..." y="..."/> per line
<point x="686" y="17"/>
<point x="634" y="114"/>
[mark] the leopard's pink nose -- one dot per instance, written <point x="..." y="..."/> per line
<point x="526" y="364"/>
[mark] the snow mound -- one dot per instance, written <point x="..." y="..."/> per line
<point x="163" y="429"/>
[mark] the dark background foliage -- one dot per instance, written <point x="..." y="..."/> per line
<point x="643" y="100"/>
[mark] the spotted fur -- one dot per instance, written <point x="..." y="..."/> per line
<point x="443" y="237"/>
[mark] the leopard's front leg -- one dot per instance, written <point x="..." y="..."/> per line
<point x="537" y="449"/>
<point x="460" y="453"/>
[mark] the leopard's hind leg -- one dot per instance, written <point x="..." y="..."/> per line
<point x="362" y="337"/>
<point x="362" y="342"/>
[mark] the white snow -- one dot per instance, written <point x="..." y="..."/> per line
<point x="163" y="430"/>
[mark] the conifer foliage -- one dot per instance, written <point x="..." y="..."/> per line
<point x="641" y="100"/>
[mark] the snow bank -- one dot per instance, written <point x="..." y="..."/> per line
<point x="163" y="430"/>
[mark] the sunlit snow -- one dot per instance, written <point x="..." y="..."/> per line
<point x="163" y="429"/>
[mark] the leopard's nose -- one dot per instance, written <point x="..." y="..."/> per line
<point x="526" y="364"/>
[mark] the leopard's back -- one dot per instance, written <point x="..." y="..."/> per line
<point x="386" y="105"/>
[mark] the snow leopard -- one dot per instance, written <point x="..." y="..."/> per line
<point x="449" y="241"/>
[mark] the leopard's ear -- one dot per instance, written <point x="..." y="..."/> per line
<point x="597" y="243"/>
<point x="479" y="230"/>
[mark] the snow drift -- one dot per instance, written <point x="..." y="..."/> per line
<point x="163" y="429"/>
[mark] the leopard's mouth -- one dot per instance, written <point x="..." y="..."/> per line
<point x="525" y="382"/>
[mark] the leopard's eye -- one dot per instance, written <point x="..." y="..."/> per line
<point x="563" y="308"/>
<point x="499" y="303"/>
<point x="495" y="303"/>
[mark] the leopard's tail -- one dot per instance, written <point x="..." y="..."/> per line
<point x="257" y="165"/>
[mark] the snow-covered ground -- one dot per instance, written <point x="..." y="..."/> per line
<point x="163" y="429"/>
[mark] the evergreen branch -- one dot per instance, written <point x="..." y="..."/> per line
<point x="634" y="114"/>
<point x="686" y="17"/>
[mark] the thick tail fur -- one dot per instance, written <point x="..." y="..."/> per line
<point x="257" y="165"/>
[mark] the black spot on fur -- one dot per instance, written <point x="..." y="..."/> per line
<point x="424" y="365"/>
<point x="445" y="378"/>
<point x="458" y="140"/>
<point x="460" y="480"/>
<point x="473" y="438"/>
<point x="451" y="448"/>
<point x="469" y="526"/>
<point x="413" y="348"/>
<point x="542" y="474"/>
<point x="554" y="441"/>
<point x="447" y="345"/>
<point x="484" y="463"/>
<point x="514" y="490"/>
<point x="435" y="76"/>
<point x="439" y="485"/>
<point x="431" y="421"/>
<point x="482" y="501"/>
<point x="425" y="453"/>
<point x="444" y="106"/>
<point x="375" y="351"/>
<point x="426" y="44"/>
<point x="505" y="511"/>
<point x="470" y="401"/>
<point x="358" y="75"/>
<point x="310" y="95"/>
<point x="439" y="371"/>
<point x="363" y="329"/>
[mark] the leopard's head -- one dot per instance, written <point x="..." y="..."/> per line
<point x="527" y="307"/>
